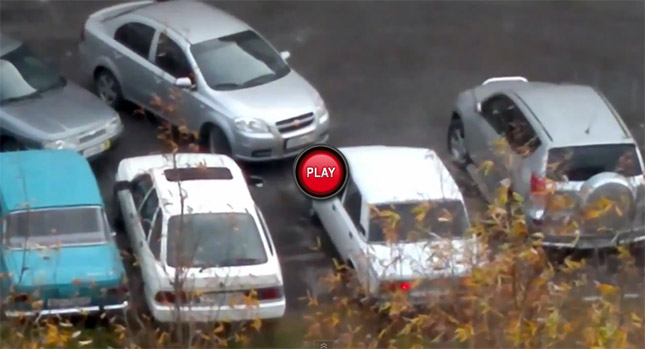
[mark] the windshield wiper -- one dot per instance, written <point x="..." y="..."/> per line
<point x="35" y="94"/>
<point x="259" y="80"/>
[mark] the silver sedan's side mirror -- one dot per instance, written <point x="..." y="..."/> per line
<point x="184" y="83"/>
<point x="285" y="55"/>
<point x="478" y="107"/>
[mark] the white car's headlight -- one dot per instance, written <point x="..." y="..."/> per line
<point x="59" y="144"/>
<point x="251" y="125"/>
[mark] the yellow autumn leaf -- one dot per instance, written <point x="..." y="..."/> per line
<point x="437" y="338"/>
<point x="499" y="145"/>
<point x="485" y="167"/>
<point x="636" y="320"/>
<point x="163" y="337"/>
<point x="257" y="324"/>
<point x="445" y="216"/>
<point x="318" y="244"/>
<point x="219" y="328"/>
<point x="606" y="289"/>
<point x="464" y="332"/>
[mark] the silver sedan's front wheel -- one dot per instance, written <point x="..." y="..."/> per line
<point x="457" y="144"/>
<point x="108" y="89"/>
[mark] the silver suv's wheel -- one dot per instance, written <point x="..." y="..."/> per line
<point x="456" y="143"/>
<point x="108" y="88"/>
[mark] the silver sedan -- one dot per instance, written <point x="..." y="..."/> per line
<point x="206" y="71"/>
<point x="41" y="109"/>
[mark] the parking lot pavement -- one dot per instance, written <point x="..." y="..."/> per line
<point x="389" y="72"/>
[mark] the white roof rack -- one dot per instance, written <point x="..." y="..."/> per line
<point x="505" y="78"/>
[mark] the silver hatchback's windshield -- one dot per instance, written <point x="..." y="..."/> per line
<point x="238" y="61"/>
<point x="56" y="226"/>
<point x="214" y="240"/>
<point x="415" y="221"/>
<point x="22" y="75"/>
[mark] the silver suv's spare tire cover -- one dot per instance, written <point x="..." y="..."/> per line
<point x="607" y="203"/>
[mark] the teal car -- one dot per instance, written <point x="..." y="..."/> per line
<point x="58" y="254"/>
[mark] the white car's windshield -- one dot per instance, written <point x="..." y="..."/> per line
<point x="238" y="61"/>
<point x="57" y="226"/>
<point x="415" y="221"/>
<point x="214" y="240"/>
<point x="22" y="75"/>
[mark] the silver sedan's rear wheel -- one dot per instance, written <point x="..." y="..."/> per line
<point x="108" y="88"/>
<point x="457" y="144"/>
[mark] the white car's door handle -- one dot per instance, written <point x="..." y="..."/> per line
<point x="333" y="207"/>
<point x="351" y="236"/>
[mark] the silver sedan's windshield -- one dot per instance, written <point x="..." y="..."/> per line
<point x="415" y="221"/>
<point x="56" y="226"/>
<point x="238" y="61"/>
<point x="22" y="75"/>
<point x="214" y="240"/>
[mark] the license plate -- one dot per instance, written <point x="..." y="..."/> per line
<point x="96" y="149"/>
<point x="224" y="298"/>
<point x="68" y="302"/>
<point x="299" y="141"/>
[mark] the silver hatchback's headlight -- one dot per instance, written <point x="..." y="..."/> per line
<point x="321" y="110"/>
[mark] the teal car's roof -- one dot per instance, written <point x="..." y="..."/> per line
<point x="46" y="178"/>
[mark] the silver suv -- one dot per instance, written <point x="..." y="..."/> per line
<point x="204" y="70"/>
<point x="563" y="148"/>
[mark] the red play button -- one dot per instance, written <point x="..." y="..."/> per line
<point x="321" y="171"/>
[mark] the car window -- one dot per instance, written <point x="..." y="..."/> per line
<point x="135" y="36"/>
<point x="214" y="240"/>
<point x="492" y="111"/>
<point x="141" y="187"/>
<point x="520" y="135"/>
<point x="171" y="58"/>
<point x="154" y="237"/>
<point x="353" y="204"/>
<point x="265" y="229"/>
<point x="148" y="209"/>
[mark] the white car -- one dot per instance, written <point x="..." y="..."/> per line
<point x="213" y="236"/>
<point x="419" y="258"/>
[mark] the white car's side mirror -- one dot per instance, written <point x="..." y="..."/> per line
<point x="285" y="55"/>
<point x="478" y="107"/>
<point x="113" y="234"/>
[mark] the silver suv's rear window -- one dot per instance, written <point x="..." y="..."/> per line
<point x="580" y="163"/>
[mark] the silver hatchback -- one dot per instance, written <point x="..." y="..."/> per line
<point x="206" y="71"/>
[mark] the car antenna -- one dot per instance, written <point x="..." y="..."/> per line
<point x="591" y="123"/>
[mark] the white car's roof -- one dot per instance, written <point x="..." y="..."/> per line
<point x="386" y="174"/>
<point x="200" y="195"/>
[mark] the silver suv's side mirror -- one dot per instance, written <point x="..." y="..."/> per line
<point x="285" y="55"/>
